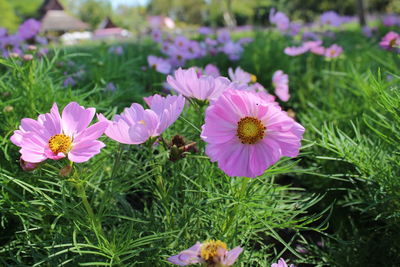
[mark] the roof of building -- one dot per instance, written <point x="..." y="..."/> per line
<point x="59" y="20"/>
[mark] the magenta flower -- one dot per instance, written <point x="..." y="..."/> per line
<point x="246" y="134"/>
<point x="280" y="81"/>
<point x="29" y="29"/>
<point x="281" y="21"/>
<point x="210" y="253"/>
<point x="135" y="125"/>
<point x="52" y="136"/>
<point x="187" y="83"/>
<point x="159" y="64"/>
<point x="333" y="51"/>
<point x="390" y="41"/>
<point x="282" y="263"/>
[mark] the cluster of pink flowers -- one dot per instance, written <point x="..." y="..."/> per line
<point x="391" y="41"/>
<point x="17" y="44"/>
<point x="315" y="47"/>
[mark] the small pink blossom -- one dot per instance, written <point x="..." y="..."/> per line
<point x="280" y="81"/>
<point x="212" y="70"/>
<point x="390" y="41"/>
<point x="333" y="51"/>
<point x="239" y="75"/>
<point x="159" y="64"/>
<point x="55" y="136"/>
<point x="295" y="50"/>
<point x="282" y="263"/>
<point x="135" y="125"/>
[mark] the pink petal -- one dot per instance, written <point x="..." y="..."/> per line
<point x="76" y="118"/>
<point x="85" y="150"/>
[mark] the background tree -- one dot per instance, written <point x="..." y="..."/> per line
<point x="94" y="11"/>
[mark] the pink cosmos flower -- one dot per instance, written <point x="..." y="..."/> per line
<point x="246" y="134"/>
<point x="333" y="51"/>
<point x="187" y="83"/>
<point x="390" y="40"/>
<point x="212" y="70"/>
<point x="210" y="253"/>
<point x="135" y="125"/>
<point x="181" y="42"/>
<point x="280" y="81"/>
<point x="52" y="136"/>
<point x="281" y="21"/>
<point x="159" y="64"/>
<point x="295" y="50"/>
<point x="331" y="18"/>
<point x="240" y="76"/>
<point x="282" y="263"/>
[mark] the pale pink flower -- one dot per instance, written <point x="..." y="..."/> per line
<point x="159" y="64"/>
<point x="209" y="253"/>
<point x="246" y="134"/>
<point x="52" y="136"/>
<point x="331" y="18"/>
<point x="280" y="81"/>
<point x="282" y="263"/>
<point x="295" y="50"/>
<point x="187" y="83"/>
<point x="240" y="76"/>
<point x="333" y="51"/>
<point x="232" y="50"/>
<point x="135" y="125"/>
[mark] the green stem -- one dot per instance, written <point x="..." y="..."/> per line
<point x="117" y="161"/>
<point x="82" y="194"/>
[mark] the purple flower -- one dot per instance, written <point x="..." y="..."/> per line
<point x="391" y="20"/>
<point x="210" y="253"/>
<point x="233" y="50"/>
<point x="156" y="35"/>
<point x="116" y="50"/>
<point x="212" y="70"/>
<point x="205" y="30"/>
<point x="224" y="36"/>
<point x="69" y="81"/>
<point x="159" y="64"/>
<point x="111" y="87"/>
<point x="29" y="29"/>
<point x="333" y="51"/>
<point x="331" y="18"/>
<point x="282" y="263"/>
<point x="281" y="21"/>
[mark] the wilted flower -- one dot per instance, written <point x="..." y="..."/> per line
<point x="390" y="41"/>
<point x="280" y="81"/>
<point x="135" y="125"/>
<point x="210" y="253"/>
<point x="246" y="134"/>
<point x="159" y="64"/>
<point x="282" y="263"/>
<point x="27" y="166"/>
<point x="333" y="51"/>
<point x="52" y="136"/>
<point x="187" y="83"/>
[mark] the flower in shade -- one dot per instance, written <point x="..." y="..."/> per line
<point x="187" y="83"/>
<point x="29" y="29"/>
<point x="209" y="253"/>
<point x="282" y="263"/>
<point x="55" y="136"/>
<point x="245" y="134"/>
<point x="390" y="41"/>
<point x="280" y="81"/>
<point x="135" y="125"/>
<point x="333" y="51"/>
<point x="281" y="21"/>
<point x="159" y="64"/>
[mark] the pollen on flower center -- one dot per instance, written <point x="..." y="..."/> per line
<point x="250" y="130"/>
<point x="209" y="249"/>
<point x="60" y="143"/>
<point x="253" y="78"/>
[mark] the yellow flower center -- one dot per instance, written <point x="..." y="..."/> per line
<point x="60" y="143"/>
<point x="253" y="78"/>
<point x="210" y="248"/>
<point x="250" y="130"/>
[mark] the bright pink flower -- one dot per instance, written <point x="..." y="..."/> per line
<point x="295" y="50"/>
<point x="212" y="70"/>
<point x="52" y="136"/>
<point x="159" y="64"/>
<point x="280" y="81"/>
<point x="282" y="263"/>
<point x="281" y="21"/>
<point x="187" y="83"/>
<point x="246" y="134"/>
<point x="390" y="41"/>
<point x="209" y="253"/>
<point x="135" y="125"/>
<point x="333" y="51"/>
